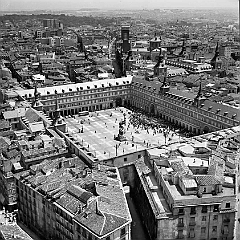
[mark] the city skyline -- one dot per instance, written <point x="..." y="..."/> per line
<point x="14" y="5"/>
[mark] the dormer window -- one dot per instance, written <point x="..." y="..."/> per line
<point x="70" y="89"/>
<point x="117" y="83"/>
<point x="225" y="113"/>
<point x="202" y="105"/>
<point x="95" y="86"/>
<point x="63" y="91"/>
<point x="218" y="110"/>
<point x="88" y="87"/>
<point x="103" y="85"/>
<point x="210" y="107"/>
<point x="234" y="115"/>
<point x="78" y="89"/>
<point x="48" y="92"/>
<point x="124" y="82"/>
<point x="81" y="88"/>
<point x="127" y="81"/>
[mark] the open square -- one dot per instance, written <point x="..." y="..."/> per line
<point x="98" y="130"/>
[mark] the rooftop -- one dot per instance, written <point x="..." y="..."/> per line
<point x="13" y="232"/>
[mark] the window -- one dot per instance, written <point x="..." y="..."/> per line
<point x="123" y="231"/>
<point x="180" y="234"/>
<point x="227" y="205"/>
<point x="193" y="210"/>
<point x="181" y="211"/>
<point x="84" y="233"/>
<point x="214" y="229"/>
<point x="108" y="238"/>
<point x="191" y="233"/>
<point x="204" y="218"/>
<point x="204" y="209"/>
<point x="203" y="230"/>
<point x="180" y="222"/>
<point x="215" y="217"/>
<point x="125" y="159"/>
<point x="204" y="189"/>
<point x="215" y="208"/>
<point x="225" y="229"/>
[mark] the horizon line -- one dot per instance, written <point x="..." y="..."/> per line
<point x="119" y="9"/>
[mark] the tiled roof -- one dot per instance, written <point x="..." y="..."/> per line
<point x="4" y="143"/>
<point x="4" y="124"/>
<point x="207" y="180"/>
<point x="97" y="201"/>
<point x="17" y="113"/>
<point x="32" y="116"/>
<point x="81" y="194"/>
<point x="180" y="167"/>
<point x="13" y="232"/>
<point x="77" y="87"/>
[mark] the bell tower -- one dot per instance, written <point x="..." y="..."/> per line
<point x="126" y="46"/>
<point x="58" y="121"/>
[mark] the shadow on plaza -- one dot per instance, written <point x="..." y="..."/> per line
<point x="138" y="231"/>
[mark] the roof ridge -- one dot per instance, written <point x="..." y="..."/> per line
<point x="104" y="221"/>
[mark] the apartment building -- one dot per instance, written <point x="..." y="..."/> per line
<point x="177" y="203"/>
<point x="193" y="112"/>
<point x="89" y="96"/>
<point x="63" y="199"/>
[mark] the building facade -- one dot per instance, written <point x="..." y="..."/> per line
<point x="192" y="112"/>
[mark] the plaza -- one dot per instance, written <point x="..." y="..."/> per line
<point x="97" y="132"/>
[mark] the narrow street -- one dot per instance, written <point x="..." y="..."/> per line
<point x="138" y="229"/>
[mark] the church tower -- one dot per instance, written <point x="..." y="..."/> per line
<point x="199" y="99"/>
<point x="164" y="87"/>
<point x="36" y="103"/>
<point x="183" y="52"/>
<point x="58" y="121"/>
<point x="214" y="59"/>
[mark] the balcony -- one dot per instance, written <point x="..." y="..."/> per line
<point x="180" y="224"/>
<point x="181" y="212"/>
<point x="193" y="213"/>
<point x="226" y="220"/>
<point x="192" y="223"/>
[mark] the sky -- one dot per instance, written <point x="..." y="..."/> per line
<point x="9" y="5"/>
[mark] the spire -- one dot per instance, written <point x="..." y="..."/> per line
<point x="36" y="95"/>
<point x="183" y="51"/>
<point x="213" y="61"/>
<point x="57" y="110"/>
<point x="160" y="59"/>
<point x="164" y="79"/>
<point x="199" y="90"/>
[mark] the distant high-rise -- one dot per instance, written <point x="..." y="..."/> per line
<point x="52" y="23"/>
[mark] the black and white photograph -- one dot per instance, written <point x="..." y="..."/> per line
<point x="119" y="119"/>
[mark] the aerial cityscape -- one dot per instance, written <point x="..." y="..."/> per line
<point x="119" y="120"/>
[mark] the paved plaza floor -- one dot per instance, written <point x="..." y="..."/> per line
<point x="99" y="129"/>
